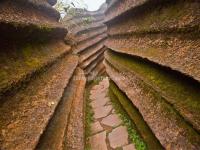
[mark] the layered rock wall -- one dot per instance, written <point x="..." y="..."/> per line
<point x="153" y="58"/>
<point x="151" y="50"/>
<point x="40" y="81"/>
<point x="87" y="34"/>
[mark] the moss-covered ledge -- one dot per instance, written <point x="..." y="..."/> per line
<point x="179" y="90"/>
<point x="169" y="127"/>
<point x="18" y="64"/>
<point x="141" y="126"/>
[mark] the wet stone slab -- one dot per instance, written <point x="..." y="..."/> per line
<point x="98" y="95"/>
<point x="96" y="127"/>
<point x="99" y="102"/>
<point x="102" y="111"/>
<point x="118" y="137"/>
<point x="98" y="141"/>
<point x="112" y="120"/>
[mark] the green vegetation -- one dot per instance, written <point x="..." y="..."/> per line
<point x="131" y="127"/>
<point x="135" y="116"/>
<point x="181" y="92"/>
<point x="87" y="20"/>
<point x="3" y="75"/>
<point x="164" y="112"/>
<point x="68" y="7"/>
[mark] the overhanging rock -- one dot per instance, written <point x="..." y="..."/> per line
<point x="38" y="77"/>
<point x="153" y="57"/>
<point x="87" y="34"/>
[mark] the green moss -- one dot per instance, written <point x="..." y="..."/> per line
<point x="142" y="127"/>
<point x="27" y="51"/>
<point x="30" y="61"/>
<point x="131" y="127"/>
<point x="19" y="62"/>
<point x="179" y="91"/>
<point x="3" y="77"/>
<point x="46" y="28"/>
<point x="155" y="104"/>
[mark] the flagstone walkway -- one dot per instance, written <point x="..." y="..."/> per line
<point x="108" y="132"/>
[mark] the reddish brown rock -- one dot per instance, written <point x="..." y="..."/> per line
<point x="182" y="97"/>
<point x="112" y="120"/>
<point x="101" y="112"/>
<point x="164" y="121"/>
<point x="84" y="45"/>
<point x="96" y="127"/>
<point x="98" y="141"/>
<point x="54" y="135"/>
<point x="19" y="64"/>
<point x="75" y="130"/>
<point x="33" y="106"/>
<point x="121" y="7"/>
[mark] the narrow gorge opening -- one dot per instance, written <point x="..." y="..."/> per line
<point x="99" y="75"/>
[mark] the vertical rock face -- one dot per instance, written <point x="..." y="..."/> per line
<point x="39" y="77"/>
<point x="87" y="33"/>
<point x="153" y="57"/>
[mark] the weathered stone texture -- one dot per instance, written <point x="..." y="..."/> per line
<point x="153" y="57"/>
<point x="89" y="42"/>
<point x="177" y="91"/>
<point x="121" y="7"/>
<point x="87" y="34"/>
<point x="167" y="18"/>
<point x="55" y="132"/>
<point x="75" y="128"/>
<point x="175" y="42"/>
<point x="168" y="50"/>
<point x="40" y="99"/>
<point x="170" y="129"/>
<point x="37" y="89"/>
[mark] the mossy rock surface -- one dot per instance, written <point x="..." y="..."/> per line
<point x="178" y="51"/>
<point x="179" y="90"/>
<point x="38" y="98"/>
<point x="20" y="63"/>
<point x="169" y="127"/>
<point x="142" y="127"/>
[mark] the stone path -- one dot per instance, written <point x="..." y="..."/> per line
<point x="108" y="132"/>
